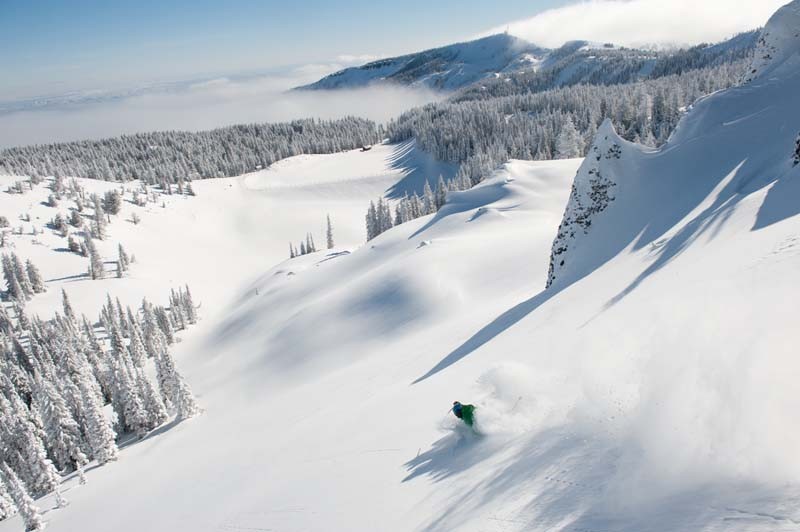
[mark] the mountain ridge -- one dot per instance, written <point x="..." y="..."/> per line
<point x="502" y="57"/>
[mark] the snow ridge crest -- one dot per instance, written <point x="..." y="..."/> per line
<point x="592" y="193"/>
<point x="779" y="42"/>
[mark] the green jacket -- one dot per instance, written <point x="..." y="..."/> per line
<point x="468" y="414"/>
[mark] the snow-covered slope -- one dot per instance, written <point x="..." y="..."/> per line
<point x="732" y="143"/>
<point x="492" y="61"/>
<point x="652" y="387"/>
<point x="232" y="230"/>
<point x="447" y="68"/>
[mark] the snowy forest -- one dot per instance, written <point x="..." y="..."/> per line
<point x="482" y="127"/>
<point x="57" y="376"/>
<point x="482" y="134"/>
<point x="175" y="156"/>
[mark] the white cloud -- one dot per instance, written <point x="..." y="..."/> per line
<point x="205" y="105"/>
<point x="644" y="22"/>
<point x="357" y="59"/>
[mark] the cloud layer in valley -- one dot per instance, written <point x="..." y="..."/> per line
<point x="201" y="105"/>
<point x="644" y="22"/>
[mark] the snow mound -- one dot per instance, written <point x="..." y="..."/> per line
<point x="779" y="43"/>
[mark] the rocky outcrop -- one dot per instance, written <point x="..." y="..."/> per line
<point x="592" y="193"/>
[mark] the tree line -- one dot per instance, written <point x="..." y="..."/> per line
<point x="171" y="157"/>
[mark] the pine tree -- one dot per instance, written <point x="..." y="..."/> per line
<point x="7" y="507"/>
<point x="22" y="276"/>
<point x="134" y="415"/>
<point x="112" y="202"/>
<point x="96" y="266"/>
<point x="329" y="233"/>
<point x="428" y="199"/>
<point x="62" y="432"/>
<point x="188" y="305"/>
<point x="41" y="476"/>
<point x="136" y="346"/>
<point x="372" y="221"/>
<point x="165" y="324"/>
<point x="441" y="193"/>
<point x="569" y="143"/>
<point x="37" y="283"/>
<point x="99" y="222"/>
<point x="123" y="261"/>
<point x="151" y="400"/>
<point x="31" y="515"/>
<point x="174" y="387"/>
<point x="100" y="434"/>
<point x="68" y="311"/>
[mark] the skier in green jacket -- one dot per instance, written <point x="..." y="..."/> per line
<point x="466" y="413"/>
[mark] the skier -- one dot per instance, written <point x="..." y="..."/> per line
<point x="466" y="413"/>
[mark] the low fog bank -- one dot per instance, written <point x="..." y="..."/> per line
<point x="203" y="105"/>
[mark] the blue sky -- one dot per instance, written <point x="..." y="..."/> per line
<point x="48" y="47"/>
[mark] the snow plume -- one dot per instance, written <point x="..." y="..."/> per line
<point x="512" y="398"/>
<point x="198" y="106"/>
<point x="643" y="22"/>
<point x="676" y="422"/>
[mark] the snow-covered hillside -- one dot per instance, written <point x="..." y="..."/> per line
<point x="233" y="229"/>
<point x="486" y="64"/>
<point x="651" y="387"/>
<point x="446" y="68"/>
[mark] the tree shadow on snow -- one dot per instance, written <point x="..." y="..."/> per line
<point x="416" y="167"/>
<point x="489" y="332"/>
<point x="563" y="480"/>
<point x="782" y="201"/>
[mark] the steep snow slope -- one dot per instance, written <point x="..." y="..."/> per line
<point x="652" y="387"/>
<point x="732" y="143"/>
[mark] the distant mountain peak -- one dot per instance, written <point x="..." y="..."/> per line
<point x="445" y="68"/>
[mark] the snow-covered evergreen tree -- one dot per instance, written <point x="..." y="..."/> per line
<point x="69" y="313"/>
<point x="188" y="305"/>
<point x="35" y="278"/>
<point x="7" y="507"/>
<point x="62" y="432"/>
<point x="112" y="202"/>
<point x="96" y="266"/>
<point x="569" y="143"/>
<point x="100" y="434"/>
<point x="165" y="324"/>
<point x="31" y="515"/>
<point x="174" y="387"/>
<point x="428" y="199"/>
<point x="329" y="233"/>
<point x="22" y="275"/>
<point x="441" y="193"/>
<point x="123" y="261"/>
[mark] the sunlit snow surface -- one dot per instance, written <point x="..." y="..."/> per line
<point x="652" y="388"/>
